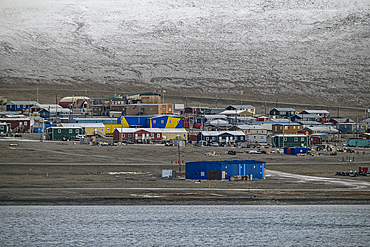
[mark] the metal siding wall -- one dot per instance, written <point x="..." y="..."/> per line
<point x="192" y="167"/>
<point x="234" y="168"/>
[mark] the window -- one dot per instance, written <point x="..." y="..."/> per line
<point x="213" y="138"/>
<point x="286" y="127"/>
<point x="164" y="109"/>
<point x="207" y="138"/>
<point x="285" y="139"/>
<point x="241" y="138"/>
<point x="25" y="123"/>
<point x="262" y="131"/>
<point x="261" y="137"/>
<point x="202" y="174"/>
<point x="169" y="109"/>
<point x="1" y="127"/>
<point x="162" y="121"/>
<point x="152" y="135"/>
<point x="154" y="121"/>
<point x="170" y="121"/>
<point x="130" y="135"/>
<point x="123" y="135"/>
<point x="178" y="121"/>
<point x="257" y="131"/>
<point x="295" y="139"/>
<point x="108" y="129"/>
<point x="70" y="131"/>
<point x="59" y="131"/>
<point x="293" y="127"/>
<point x="158" y="135"/>
<point x="77" y="131"/>
<point x="102" y="130"/>
<point x="151" y="109"/>
<point x="254" y="137"/>
<point x="302" y="139"/>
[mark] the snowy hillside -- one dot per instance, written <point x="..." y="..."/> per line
<point x="311" y="48"/>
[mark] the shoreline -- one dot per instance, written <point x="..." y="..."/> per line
<point x="60" y="173"/>
<point x="183" y="201"/>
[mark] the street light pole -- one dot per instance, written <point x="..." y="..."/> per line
<point x="178" y="147"/>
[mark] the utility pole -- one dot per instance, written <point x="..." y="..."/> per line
<point x="178" y="147"/>
<point x="56" y="106"/>
<point x="73" y="98"/>
<point x="283" y="136"/>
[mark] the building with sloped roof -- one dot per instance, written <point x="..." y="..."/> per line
<point x="221" y="137"/>
<point x="20" y="105"/>
<point x="320" y="113"/>
<point x="282" y="112"/>
<point x="248" y="108"/>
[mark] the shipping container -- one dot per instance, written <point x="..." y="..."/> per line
<point x="295" y="151"/>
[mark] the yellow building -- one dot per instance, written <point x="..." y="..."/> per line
<point x="168" y="134"/>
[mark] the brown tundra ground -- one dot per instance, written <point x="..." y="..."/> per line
<point x="64" y="173"/>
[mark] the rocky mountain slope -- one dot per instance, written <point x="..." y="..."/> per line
<point x="302" y="50"/>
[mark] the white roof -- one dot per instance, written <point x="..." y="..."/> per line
<point x="84" y="125"/>
<point x="284" y="109"/>
<point x="57" y="109"/>
<point x="233" y="112"/>
<point x="309" y="115"/>
<point x="22" y="103"/>
<point x="287" y="124"/>
<point x="291" y="135"/>
<point x="309" y="123"/>
<point x="14" y="116"/>
<point x="323" y="129"/>
<point x="217" y="133"/>
<point x="96" y="119"/>
<point x="152" y="130"/>
<point x="75" y="98"/>
<point x="218" y="122"/>
<point x="14" y="119"/>
<point x="42" y="106"/>
<point x="316" y="111"/>
<point x="242" y="106"/>
<point x="173" y="130"/>
<point x="132" y="130"/>
<point x="280" y="120"/>
<point x="215" y="116"/>
<point x="251" y="127"/>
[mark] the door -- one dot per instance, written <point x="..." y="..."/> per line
<point x="213" y="174"/>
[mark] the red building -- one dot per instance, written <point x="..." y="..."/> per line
<point x="137" y="135"/>
<point x="18" y="124"/>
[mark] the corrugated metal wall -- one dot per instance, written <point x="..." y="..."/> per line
<point x="199" y="170"/>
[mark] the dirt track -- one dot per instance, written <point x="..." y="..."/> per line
<point x="35" y="172"/>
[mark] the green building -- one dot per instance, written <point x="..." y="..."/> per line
<point x="358" y="143"/>
<point x="282" y="112"/>
<point x="4" y="128"/>
<point x="63" y="133"/>
<point x="289" y="140"/>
